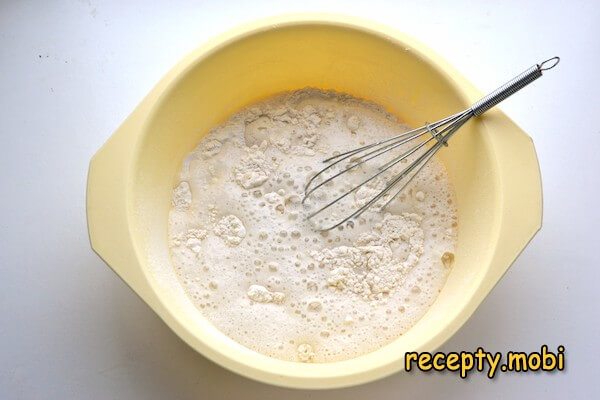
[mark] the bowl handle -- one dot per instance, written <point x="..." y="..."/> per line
<point x="107" y="206"/>
<point x="522" y="202"/>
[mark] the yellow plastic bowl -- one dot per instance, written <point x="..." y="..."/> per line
<point x="491" y="162"/>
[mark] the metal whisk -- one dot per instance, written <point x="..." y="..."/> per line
<point x="432" y="137"/>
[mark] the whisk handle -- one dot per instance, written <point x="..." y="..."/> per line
<point x="513" y="86"/>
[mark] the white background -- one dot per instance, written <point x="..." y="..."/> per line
<point x="71" y="71"/>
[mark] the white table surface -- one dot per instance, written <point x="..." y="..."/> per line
<point x="71" y="71"/>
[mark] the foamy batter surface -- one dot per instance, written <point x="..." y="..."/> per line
<point x="262" y="274"/>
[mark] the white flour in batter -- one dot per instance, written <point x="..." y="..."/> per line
<point x="263" y="275"/>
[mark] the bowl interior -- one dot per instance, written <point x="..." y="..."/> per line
<point x="241" y="69"/>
